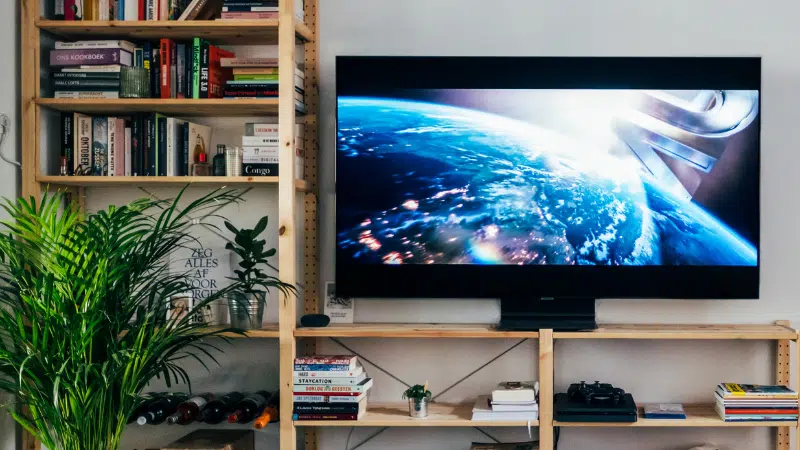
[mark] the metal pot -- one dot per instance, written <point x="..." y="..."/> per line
<point x="418" y="407"/>
<point x="247" y="310"/>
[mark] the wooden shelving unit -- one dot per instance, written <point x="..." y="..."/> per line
<point x="287" y="32"/>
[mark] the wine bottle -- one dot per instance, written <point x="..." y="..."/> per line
<point x="160" y="409"/>
<point x="189" y="410"/>
<point x="145" y="405"/>
<point x="249" y="408"/>
<point x="217" y="410"/>
<point x="270" y="413"/>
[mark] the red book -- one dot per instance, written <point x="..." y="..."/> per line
<point x="330" y="394"/>
<point x="748" y="412"/>
<point x="166" y="63"/>
<point x="69" y="9"/>
<point x="142" y="10"/>
<point x="217" y="76"/>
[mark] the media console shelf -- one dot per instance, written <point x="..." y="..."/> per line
<point x="448" y="415"/>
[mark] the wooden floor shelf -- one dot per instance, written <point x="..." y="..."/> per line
<point x="413" y="330"/>
<point x="91" y="181"/>
<point x="679" y="331"/>
<point x="696" y="416"/>
<point x="237" y="32"/>
<point x="396" y="415"/>
<point x="172" y="106"/>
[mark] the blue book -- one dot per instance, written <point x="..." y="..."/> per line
<point x="664" y="411"/>
<point x="322" y="367"/>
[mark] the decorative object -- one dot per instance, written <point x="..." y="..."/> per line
<point x="134" y="82"/>
<point x="315" y="320"/>
<point x="208" y="270"/>
<point x="339" y="309"/>
<point x="84" y="321"/>
<point x="418" y="398"/>
<point x="233" y="162"/>
<point x="218" y="162"/>
<point x="247" y="305"/>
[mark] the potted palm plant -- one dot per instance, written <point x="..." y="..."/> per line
<point x="84" y="326"/>
<point x="246" y="306"/>
<point x="418" y="398"/>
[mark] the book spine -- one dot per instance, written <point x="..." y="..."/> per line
<point x="59" y="10"/>
<point x="87" y="94"/>
<point x="337" y="408"/>
<point x="324" y="416"/>
<point x="261" y="129"/>
<point x="196" y="50"/>
<point x="322" y="367"/>
<point x="181" y="71"/>
<point x="68" y="139"/>
<point x="249" y="15"/>
<point x="204" y="69"/>
<point x="329" y="390"/>
<point x="131" y="10"/>
<point x="120" y="9"/>
<point x="92" y="57"/>
<point x="187" y="68"/>
<point x="163" y="13"/>
<point x="94" y="83"/>
<point x="142" y="10"/>
<point x="161" y="147"/>
<point x="343" y="381"/>
<point x="320" y="374"/>
<point x="265" y="9"/>
<point x="150" y="146"/>
<point x="186" y="160"/>
<point x="249" y="62"/>
<point x="173" y="10"/>
<point x="330" y="360"/>
<point x="156" y="73"/>
<point x="83" y="160"/>
<point x="173" y="70"/>
<point x="169" y="144"/>
<point x="112" y="146"/>
<point x="85" y="75"/>
<point x="272" y="3"/>
<point x="69" y="9"/>
<point x="138" y="58"/>
<point x="128" y="170"/>
<point x="120" y="167"/>
<point x="99" y="146"/>
<point x="165" y="55"/>
<point x="326" y="398"/>
<point x="136" y="142"/>
<point x="151" y="11"/>
<point x="249" y="93"/>
<point x="273" y="78"/>
<point x="90" y="10"/>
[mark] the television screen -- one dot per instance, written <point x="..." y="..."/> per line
<point x="590" y="177"/>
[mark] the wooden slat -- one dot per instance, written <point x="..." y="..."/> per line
<point x="287" y="207"/>
<point x="413" y="330"/>
<point x="696" y="416"/>
<point x="186" y="107"/>
<point x="91" y="181"/>
<point x="669" y="331"/>
<point x="396" y="415"/>
<point x="783" y="371"/>
<point x="546" y="375"/>
<point x="217" y="31"/>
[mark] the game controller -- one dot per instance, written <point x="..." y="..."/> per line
<point x="595" y="393"/>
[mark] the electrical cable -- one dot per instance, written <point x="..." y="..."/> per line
<point x="5" y="125"/>
<point x="556" y="435"/>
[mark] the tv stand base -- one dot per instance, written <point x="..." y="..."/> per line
<point x="573" y="314"/>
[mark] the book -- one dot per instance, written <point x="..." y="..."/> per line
<point x="331" y="381"/>
<point x="332" y="360"/>
<point x="131" y="10"/>
<point x="273" y="78"/>
<point x="84" y="75"/>
<point x="226" y="9"/>
<point x="136" y="146"/>
<point x="181" y="71"/>
<point x="363" y="386"/>
<point x="86" y="84"/>
<point x="197" y="45"/>
<point x="165" y="53"/>
<point x="107" y="43"/>
<point x="71" y="10"/>
<point x="82" y="145"/>
<point x="249" y="93"/>
<point x="330" y="408"/>
<point x="306" y="398"/>
<point x="217" y="75"/>
<point x="664" y="411"/>
<point x="249" y="62"/>
<point x="261" y="129"/>
<point x="483" y="411"/>
<point x="195" y="10"/>
<point x="163" y="12"/>
<point x="99" y="146"/>
<point x="204" y="69"/>
<point x="249" y="15"/>
<point x="161" y="145"/>
<point x="329" y="374"/>
<point x="108" y="68"/>
<point x="505" y="446"/>
<point x="255" y="71"/>
<point x="185" y="161"/>
<point x="149" y="144"/>
<point x="59" y="10"/>
<point x="259" y="141"/>
<point x="173" y="70"/>
<point x="174" y="146"/>
<point x="736" y="390"/>
<point x="68" y="139"/>
<point x="97" y="56"/>
<point x="128" y="157"/>
<point x="328" y="416"/>
<point x="112" y="146"/>
<point x="514" y="406"/>
<point x="322" y="368"/>
<point x="516" y="391"/>
<point x="155" y="75"/>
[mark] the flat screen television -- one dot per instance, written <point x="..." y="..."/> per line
<point x="547" y="177"/>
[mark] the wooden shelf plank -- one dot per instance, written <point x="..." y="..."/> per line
<point x="237" y="32"/>
<point x="412" y="330"/>
<point x="696" y="416"/>
<point x="396" y="415"/>
<point x="173" y="106"/>
<point x="90" y="181"/>
<point x="661" y="331"/>
<point x="269" y="331"/>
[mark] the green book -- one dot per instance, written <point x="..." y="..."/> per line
<point x="255" y="77"/>
<point x="196" y="45"/>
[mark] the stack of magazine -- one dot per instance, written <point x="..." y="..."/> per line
<point x="515" y="400"/>
<point x="756" y="403"/>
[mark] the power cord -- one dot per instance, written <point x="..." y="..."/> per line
<point x="5" y="125"/>
<point x="556" y="435"/>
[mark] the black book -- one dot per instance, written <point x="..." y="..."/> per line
<point x="185" y="149"/>
<point x="68" y="140"/>
<point x="135" y="142"/>
<point x="188" y="75"/>
<point x="173" y="70"/>
<point x="155" y="70"/>
<point x="179" y="148"/>
<point x="85" y="75"/>
<point x="326" y="408"/>
<point x="86" y="83"/>
<point x="150" y="146"/>
<point x="204" y="69"/>
<point x="161" y="165"/>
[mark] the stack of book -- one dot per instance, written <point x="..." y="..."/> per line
<point x="260" y="155"/>
<point x="89" y="69"/>
<point x="143" y="145"/>
<point x="166" y="9"/>
<point x="258" y="78"/>
<point x="509" y="401"/>
<point x="249" y="9"/>
<point x="330" y="388"/>
<point x="756" y="403"/>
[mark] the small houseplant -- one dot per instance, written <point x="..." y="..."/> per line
<point x="418" y="398"/>
<point x="246" y="306"/>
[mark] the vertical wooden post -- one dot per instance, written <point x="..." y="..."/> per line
<point x="287" y="206"/>
<point x="783" y="376"/>
<point x="546" y="364"/>
<point x="29" y="91"/>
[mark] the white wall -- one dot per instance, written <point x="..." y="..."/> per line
<point x="652" y="371"/>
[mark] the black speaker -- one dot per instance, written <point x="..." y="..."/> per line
<point x="315" y="320"/>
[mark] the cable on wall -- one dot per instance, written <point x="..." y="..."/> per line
<point x="5" y="125"/>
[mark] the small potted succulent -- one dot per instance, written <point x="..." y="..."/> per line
<point x="246" y="306"/>
<point x="418" y="398"/>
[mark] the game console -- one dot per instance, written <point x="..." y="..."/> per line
<point x="598" y="402"/>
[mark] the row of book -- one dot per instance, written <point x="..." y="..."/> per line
<point x="330" y="388"/>
<point x="260" y="150"/>
<point x="172" y="69"/>
<point x="756" y="403"/>
<point x="136" y="10"/>
<point x="509" y="401"/>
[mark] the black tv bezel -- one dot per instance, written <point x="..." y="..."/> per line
<point x="360" y="75"/>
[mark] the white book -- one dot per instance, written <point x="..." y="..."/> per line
<point x="103" y="13"/>
<point x="329" y="374"/>
<point x="112" y="146"/>
<point x="93" y="69"/>
<point x="483" y="412"/>
<point x="260" y="141"/>
<point x="329" y="398"/>
<point x="86" y="94"/>
<point x="151" y="10"/>
<point x="131" y="10"/>
<point x="256" y="9"/>
<point x="163" y="13"/>
<point x="331" y="381"/>
<point x="516" y="391"/>
<point x="128" y="157"/>
<point x="82" y="153"/>
<point x="59" y="7"/>
<point x="106" y="43"/>
<point x="514" y="406"/>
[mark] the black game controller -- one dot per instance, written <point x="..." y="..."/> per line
<point x="597" y="393"/>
